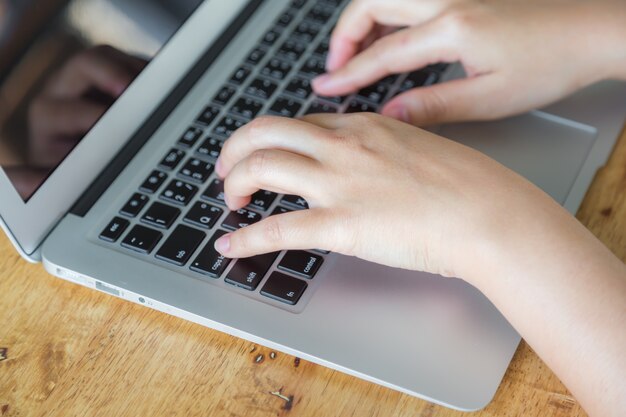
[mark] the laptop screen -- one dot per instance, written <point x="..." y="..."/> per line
<point x="63" y="64"/>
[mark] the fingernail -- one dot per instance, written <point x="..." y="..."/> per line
<point x="330" y="61"/>
<point x="227" y="200"/>
<point x="322" y="81"/>
<point x="219" y="167"/>
<point x="222" y="245"/>
<point x="398" y="112"/>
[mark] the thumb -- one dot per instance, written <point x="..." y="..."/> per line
<point x="473" y="98"/>
<point x="303" y="229"/>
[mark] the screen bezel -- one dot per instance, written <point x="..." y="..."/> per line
<point x="28" y="223"/>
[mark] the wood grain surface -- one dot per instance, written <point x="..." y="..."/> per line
<point x="69" y="351"/>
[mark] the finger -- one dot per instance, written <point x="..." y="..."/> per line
<point x="360" y="18"/>
<point x="92" y="69"/>
<point x="459" y="100"/>
<point x="52" y="117"/>
<point x="330" y="121"/>
<point x="305" y="229"/>
<point x="402" y="51"/>
<point x="270" y="132"/>
<point x="273" y="170"/>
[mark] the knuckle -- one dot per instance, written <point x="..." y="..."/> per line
<point x="434" y="105"/>
<point x="258" y="163"/>
<point x="259" y="126"/>
<point x="460" y="19"/>
<point x="273" y="231"/>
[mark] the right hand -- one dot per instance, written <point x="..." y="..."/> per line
<point x="518" y="55"/>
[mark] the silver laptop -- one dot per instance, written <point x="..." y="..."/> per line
<point x="132" y="206"/>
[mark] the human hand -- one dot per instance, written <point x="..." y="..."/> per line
<point x="518" y="55"/>
<point x="75" y="98"/>
<point x="378" y="189"/>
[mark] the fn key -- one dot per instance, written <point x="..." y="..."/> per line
<point x="284" y="288"/>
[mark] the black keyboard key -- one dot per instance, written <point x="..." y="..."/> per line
<point x="249" y="272"/>
<point x="286" y="107"/>
<point x="203" y="215"/>
<point x="196" y="170"/>
<point x="417" y="79"/>
<point x="208" y="115"/>
<point x="247" y="107"/>
<point x="134" y="205"/>
<point x="263" y="199"/>
<point x="261" y="88"/>
<point x="338" y="100"/>
<point x="375" y="93"/>
<point x="334" y="3"/>
<point x="153" y="182"/>
<point x="390" y="79"/>
<point x="284" y="288"/>
<point x="314" y="66"/>
<point x="190" y="137"/>
<point x="300" y="87"/>
<point x="321" y="107"/>
<point x="211" y="147"/>
<point x="277" y="69"/>
<point x="240" y="218"/>
<point x="286" y="18"/>
<point x="215" y="192"/>
<point x="360" y="107"/>
<point x="256" y="56"/>
<point x="295" y="201"/>
<point x="301" y="263"/>
<point x="160" y="215"/>
<point x="209" y="261"/>
<point x="271" y="36"/>
<point x="306" y="31"/>
<point x="227" y="126"/>
<point x="172" y="159"/>
<point x="320" y="13"/>
<point x="298" y="4"/>
<point x="179" y="246"/>
<point x="280" y="210"/>
<point x="224" y="95"/>
<point x="292" y="49"/>
<point x="114" y="229"/>
<point x="240" y="75"/>
<point x="179" y="192"/>
<point x="142" y="239"/>
<point x="322" y="47"/>
<point x="439" y="68"/>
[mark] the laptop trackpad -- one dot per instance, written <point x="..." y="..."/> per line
<point x="547" y="150"/>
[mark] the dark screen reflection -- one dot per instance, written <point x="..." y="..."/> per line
<point x="64" y="63"/>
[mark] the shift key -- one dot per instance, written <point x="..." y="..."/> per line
<point x="249" y="272"/>
<point x="209" y="261"/>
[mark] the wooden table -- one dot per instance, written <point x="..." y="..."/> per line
<point x="71" y="351"/>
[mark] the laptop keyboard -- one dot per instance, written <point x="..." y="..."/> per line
<point x="178" y="211"/>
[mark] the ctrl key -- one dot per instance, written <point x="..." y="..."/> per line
<point x="114" y="229"/>
<point x="142" y="239"/>
<point x="284" y="288"/>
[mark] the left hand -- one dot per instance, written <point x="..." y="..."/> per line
<point x="378" y="189"/>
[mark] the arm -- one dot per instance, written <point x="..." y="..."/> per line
<point x="518" y="55"/>
<point x="449" y="210"/>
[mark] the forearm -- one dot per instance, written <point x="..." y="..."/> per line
<point x="604" y="36"/>
<point x="566" y="295"/>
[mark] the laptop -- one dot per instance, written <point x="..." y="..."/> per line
<point x="133" y="207"/>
